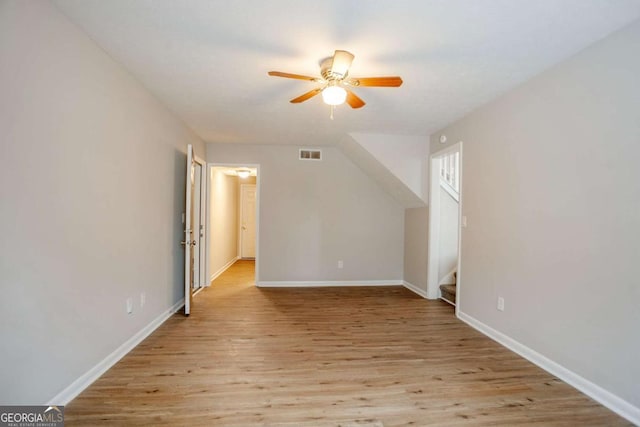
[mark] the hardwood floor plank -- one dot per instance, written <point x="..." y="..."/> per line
<point x="351" y="357"/>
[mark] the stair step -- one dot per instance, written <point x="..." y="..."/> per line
<point x="448" y="293"/>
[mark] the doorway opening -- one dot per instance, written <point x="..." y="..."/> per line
<point x="233" y="219"/>
<point x="445" y="221"/>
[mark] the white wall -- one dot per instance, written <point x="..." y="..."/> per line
<point x="552" y="195"/>
<point x="223" y="220"/>
<point x="416" y="239"/>
<point x="313" y="214"/>
<point x="448" y="236"/>
<point x="92" y="177"/>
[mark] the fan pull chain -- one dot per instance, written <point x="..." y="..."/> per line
<point x="331" y="115"/>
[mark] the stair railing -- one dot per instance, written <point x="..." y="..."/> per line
<point x="449" y="174"/>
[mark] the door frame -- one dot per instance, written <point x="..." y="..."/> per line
<point x="202" y="240"/>
<point x="433" y="288"/>
<point x="258" y="184"/>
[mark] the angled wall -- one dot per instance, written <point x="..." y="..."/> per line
<point x="405" y="156"/>
<point x="399" y="186"/>
<point x="400" y="165"/>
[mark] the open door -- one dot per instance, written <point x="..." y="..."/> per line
<point x="189" y="241"/>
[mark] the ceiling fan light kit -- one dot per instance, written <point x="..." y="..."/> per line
<point x="334" y="95"/>
<point x="335" y="82"/>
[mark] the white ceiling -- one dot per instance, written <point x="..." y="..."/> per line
<point x="207" y="60"/>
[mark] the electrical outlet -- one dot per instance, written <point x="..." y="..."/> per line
<point x="129" y="305"/>
<point x="340" y="264"/>
<point x="143" y="299"/>
<point x="500" y="304"/>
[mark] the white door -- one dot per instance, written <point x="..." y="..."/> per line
<point x="197" y="225"/>
<point x="248" y="221"/>
<point x="189" y="241"/>
<point x="203" y="215"/>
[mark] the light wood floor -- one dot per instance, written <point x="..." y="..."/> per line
<point x="352" y="357"/>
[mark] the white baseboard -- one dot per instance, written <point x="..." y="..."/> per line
<point x="319" y="284"/>
<point x="597" y="393"/>
<point x="84" y="381"/>
<point x="224" y="268"/>
<point x="413" y="288"/>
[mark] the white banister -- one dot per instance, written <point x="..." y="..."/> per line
<point x="449" y="170"/>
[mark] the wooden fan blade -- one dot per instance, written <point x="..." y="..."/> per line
<point x="306" y="96"/>
<point x="392" y="81"/>
<point x="293" y="76"/>
<point x="353" y="100"/>
<point x="341" y="63"/>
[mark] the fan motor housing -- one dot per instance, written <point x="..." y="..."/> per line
<point x="327" y="74"/>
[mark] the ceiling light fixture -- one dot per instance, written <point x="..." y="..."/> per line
<point x="335" y="84"/>
<point x="243" y="173"/>
<point x="334" y="95"/>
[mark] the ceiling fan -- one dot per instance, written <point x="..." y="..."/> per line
<point x="335" y="82"/>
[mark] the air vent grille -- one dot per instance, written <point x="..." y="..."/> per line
<point x="306" y="154"/>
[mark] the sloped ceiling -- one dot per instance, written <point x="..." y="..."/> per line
<point x="207" y="60"/>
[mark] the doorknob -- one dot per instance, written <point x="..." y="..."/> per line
<point x="193" y="243"/>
